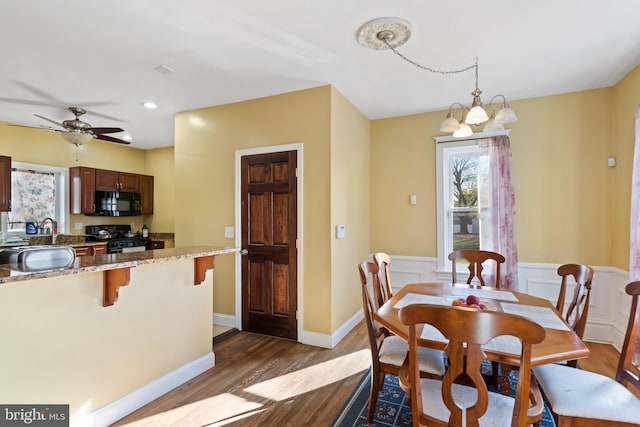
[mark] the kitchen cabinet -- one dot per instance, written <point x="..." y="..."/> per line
<point x="157" y="244"/>
<point x="84" y="182"/>
<point x="90" y="250"/>
<point x="5" y="183"/>
<point x="82" y="190"/>
<point x="146" y="193"/>
<point x="108" y="180"/>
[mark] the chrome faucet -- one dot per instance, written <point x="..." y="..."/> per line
<point x="44" y="230"/>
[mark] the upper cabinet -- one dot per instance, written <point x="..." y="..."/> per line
<point x="146" y="194"/>
<point x="82" y="190"/>
<point x="86" y="181"/>
<point x="5" y="183"/>
<point x="107" y="180"/>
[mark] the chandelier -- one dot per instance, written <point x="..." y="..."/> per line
<point x="390" y="33"/>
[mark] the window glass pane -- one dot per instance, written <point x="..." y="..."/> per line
<point x="465" y="230"/>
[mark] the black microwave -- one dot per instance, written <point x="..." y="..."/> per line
<point x="118" y="203"/>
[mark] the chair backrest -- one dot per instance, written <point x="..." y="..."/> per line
<point x="475" y="258"/>
<point x="369" y="273"/>
<point x="467" y="330"/>
<point x="626" y="372"/>
<point x="576" y="315"/>
<point x="383" y="260"/>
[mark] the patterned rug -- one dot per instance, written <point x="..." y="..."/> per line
<point x="392" y="409"/>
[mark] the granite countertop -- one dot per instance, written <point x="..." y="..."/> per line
<point x="113" y="261"/>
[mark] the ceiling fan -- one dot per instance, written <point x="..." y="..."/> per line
<point x="78" y="132"/>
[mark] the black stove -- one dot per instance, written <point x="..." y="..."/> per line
<point x="119" y="238"/>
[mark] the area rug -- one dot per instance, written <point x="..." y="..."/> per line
<point x="392" y="409"/>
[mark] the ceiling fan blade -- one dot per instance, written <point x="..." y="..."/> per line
<point x="43" y="127"/>
<point x="111" y="139"/>
<point x="104" y="116"/>
<point x="106" y="130"/>
<point x="50" y="120"/>
<point x="29" y="102"/>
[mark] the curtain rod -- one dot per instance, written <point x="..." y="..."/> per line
<point x="479" y="135"/>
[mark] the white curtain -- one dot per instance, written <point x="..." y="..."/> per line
<point x="496" y="201"/>
<point x="634" y="238"/>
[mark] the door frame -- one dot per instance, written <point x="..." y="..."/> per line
<point x="297" y="147"/>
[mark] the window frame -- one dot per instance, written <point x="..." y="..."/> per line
<point x="62" y="196"/>
<point x="444" y="152"/>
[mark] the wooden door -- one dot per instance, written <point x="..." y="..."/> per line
<point x="146" y="194"/>
<point x="269" y="231"/>
<point x="106" y="180"/>
<point x="5" y="183"/>
<point x="129" y="182"/>
<point x="83" y="190"/>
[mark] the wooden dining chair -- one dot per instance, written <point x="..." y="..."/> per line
<point x="476" y="258"/>
<point x="578" y="310"/>
<point x="576" y="396"/>
<point x="462" y="398"/>
<point x="576" y="314"/>
<point x="388" y="352"/>
<point x="384" y="260"/>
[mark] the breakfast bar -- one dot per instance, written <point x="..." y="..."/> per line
<point x="108" y="333"/>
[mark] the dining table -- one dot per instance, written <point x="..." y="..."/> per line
<point x="560" y="343"/>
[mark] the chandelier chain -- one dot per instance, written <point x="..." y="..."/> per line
<point x="433" y="70"/>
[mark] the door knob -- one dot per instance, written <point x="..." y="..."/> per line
<point x="244" y="252"/>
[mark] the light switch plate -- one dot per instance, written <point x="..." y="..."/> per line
<point x="228" y="232"/>
<point x="340" y="231"/>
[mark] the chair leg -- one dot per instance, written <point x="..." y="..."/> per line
<point x="377" y="379"/>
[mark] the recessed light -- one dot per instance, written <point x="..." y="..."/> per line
<point x="127" y="138"/>
<point x="150" y="105"/>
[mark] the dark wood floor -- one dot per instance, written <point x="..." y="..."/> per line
<point x="265" y="381"/>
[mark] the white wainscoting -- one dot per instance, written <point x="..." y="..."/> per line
<point x="608" y="309"/>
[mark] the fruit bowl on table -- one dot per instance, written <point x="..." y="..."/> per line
<point x="473" y="301"/>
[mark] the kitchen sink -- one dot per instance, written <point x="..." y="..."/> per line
<point x="38" y="258"/>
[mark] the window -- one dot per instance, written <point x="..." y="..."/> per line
<point x="37" y="192"/>
<point x="457" y="180"/>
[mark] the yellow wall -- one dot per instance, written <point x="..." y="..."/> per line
<point x="626" y="98"/>
<point x="206" y="141"/>
<point x="350" y="187"/>
<point x="160" y="164"/>
<point x="559" y="145"/>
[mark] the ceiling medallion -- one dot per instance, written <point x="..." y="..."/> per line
<point x="381" y="33"/>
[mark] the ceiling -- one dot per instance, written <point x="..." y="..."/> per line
<point x="102" y="55"/>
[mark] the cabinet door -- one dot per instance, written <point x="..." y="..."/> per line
<point x="99" y="249"/>
<point x="106" y="180"/>
<point x="5" y="183"/>
<point x="82" y="251"/>
<point x="83" y="190"/>
<point x="146" y="194"/>
<point x="129" y="182"/>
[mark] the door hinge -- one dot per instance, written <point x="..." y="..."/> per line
<point x="296" y="314"/>
<point x="296" y="172"/>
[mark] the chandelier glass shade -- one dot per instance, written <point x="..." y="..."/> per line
<point x="390" y="33"/>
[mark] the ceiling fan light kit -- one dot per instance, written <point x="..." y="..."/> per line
<point x="390" y="33"/>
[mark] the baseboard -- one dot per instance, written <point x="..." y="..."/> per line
<point x="122" y="407"/>
<point x="224" y="320"/>
<point x="330" y="341"/>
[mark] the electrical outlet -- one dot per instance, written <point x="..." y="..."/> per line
<point x="228" y="232"/>
<point x="79" y="226"/>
